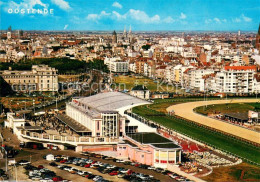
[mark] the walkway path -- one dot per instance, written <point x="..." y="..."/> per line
<point x="185" y="110"/>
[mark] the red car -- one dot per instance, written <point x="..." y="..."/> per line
<point x="136" y="165"/>
<point x="93" y="162"/>
<point x="87" y="175"/>
<point x="87" y="165"/>
<point x="113" y="173"/>
<point x="57" y="178"/>
<point x="63" y="161"/>
<point x="129" y="172"/>
<point x="40" y="167"/>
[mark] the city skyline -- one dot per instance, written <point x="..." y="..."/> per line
<point x="142" y="16"/>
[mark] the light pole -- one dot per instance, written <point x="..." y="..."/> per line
<point x="34" y="106"/>
<point x="15" y="172"/>
<point x="6" y="169"/>
<point x="56" y="103"/>
<point x="25" y="105"/>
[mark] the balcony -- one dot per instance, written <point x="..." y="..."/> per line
<point x="68" y="139"/>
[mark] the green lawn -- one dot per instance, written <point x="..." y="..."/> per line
<point x="228" y="108"/>
<point x="219" y="140"/>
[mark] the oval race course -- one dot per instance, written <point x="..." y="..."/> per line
<point x="185" y="110"/>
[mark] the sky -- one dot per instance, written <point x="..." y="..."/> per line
<point x="146" y="15"/>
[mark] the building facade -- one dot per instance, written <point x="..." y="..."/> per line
<point x="40" y="78"/>
<point x="150" y="149"/>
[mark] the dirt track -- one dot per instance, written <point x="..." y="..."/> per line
<point x="185" y="110"/>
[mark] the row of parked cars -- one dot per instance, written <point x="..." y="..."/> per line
<point x="103" y="168"/>
<point x="42" y="174"/>
<point x="139" y="165"/>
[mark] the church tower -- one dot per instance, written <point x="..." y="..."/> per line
<point x="257" y="42"/>
<point x="130" y="34"/>
<point x="124" y="34"/>
<point x="114" y="37"/>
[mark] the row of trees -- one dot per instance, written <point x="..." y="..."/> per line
<point x="64" y="65"/>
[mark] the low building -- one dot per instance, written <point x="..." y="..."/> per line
<point x="160" y="95"/>
<point x="149" y="148"/>
<point x="141" y="92"/>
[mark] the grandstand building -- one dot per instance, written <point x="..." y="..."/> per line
<point x="100" y="115"/>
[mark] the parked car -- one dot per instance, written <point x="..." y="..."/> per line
<point x="53" y="164"/>
<point x="23" y="162"/>
<point x="113" y="173"/>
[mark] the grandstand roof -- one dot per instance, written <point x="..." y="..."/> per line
<point x="106" y="102"/>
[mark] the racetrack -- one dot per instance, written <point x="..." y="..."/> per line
<point x="185" y="110"/>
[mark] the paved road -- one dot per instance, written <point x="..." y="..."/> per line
<point x="185" y="110"/>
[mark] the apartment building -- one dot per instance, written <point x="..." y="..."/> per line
<point x="117" y="65"/>
<point x="196" y="80"/>
<point x="235" y="79"/>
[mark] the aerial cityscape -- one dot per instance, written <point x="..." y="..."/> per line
<point x="130" y="90"/>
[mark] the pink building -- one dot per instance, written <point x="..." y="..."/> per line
<point x="149" y="148"/>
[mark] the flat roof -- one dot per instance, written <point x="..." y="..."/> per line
<point x="154" y="139"/>
<point x="130" y="143"/>
<point x="73" y="124"/>
<point x="241" y="116"/>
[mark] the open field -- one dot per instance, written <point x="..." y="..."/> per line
<point x="202" y="134"/>
<point x="131" y="81"/>
<point x="228" y="108"/>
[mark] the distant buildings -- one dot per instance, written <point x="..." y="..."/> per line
<point x="196" y="61"/>
<point x="40" y="78"/>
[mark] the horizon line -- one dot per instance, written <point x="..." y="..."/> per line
<point x="121" y="30"/>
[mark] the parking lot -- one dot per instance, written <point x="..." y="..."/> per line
<point x="37" y="160"/>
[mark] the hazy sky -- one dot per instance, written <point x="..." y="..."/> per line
<point x="140" y="14"/>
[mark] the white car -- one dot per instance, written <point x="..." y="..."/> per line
<point x="97" y="178"/>
<point x="110" y="167"/>
<point x="46" y="180"/>
<point x="119" y="160"/>
<point x="124" y="171"/>
<point x="81" y="173"/>
<point x="151" y="168"/>
<point x="23" y="162"/>
<point x="59" y="166"/>
<point x="67" y="168"/>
